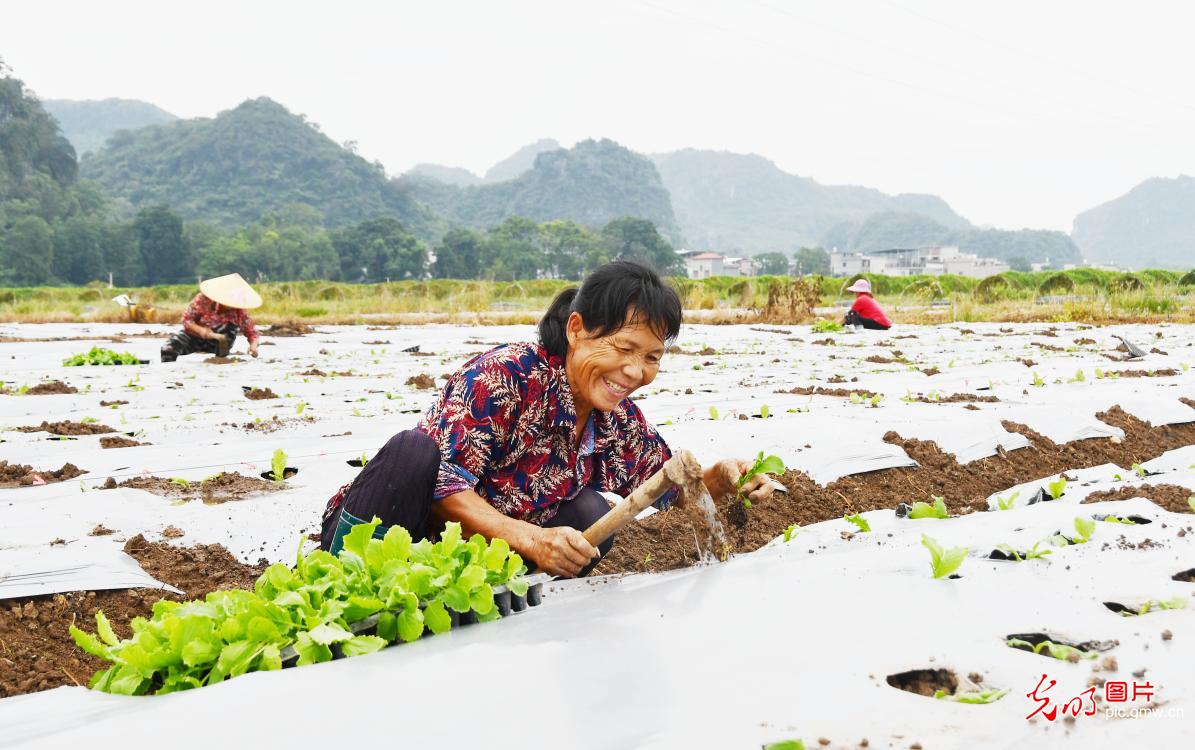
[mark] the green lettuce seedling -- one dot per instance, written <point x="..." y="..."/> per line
<point x="826" y="326"/>
<point x="763" y="465"/>
<point x="859" y="521"/>
<point x="791" y="531"/>
<point x="925" y="510"/>
<point x="300" y="407"/>
<point x="1006" y="503"/>
<point x="1033" y="553"/>
<point x="180" y="482"/>
<point x="1177" y="602"/>
<point x="1139" y="470"/>
<point x="713" y="412"/>
<point x="785" y="745"/>
<point x="1084" y="529"/>
<point x="1056" y="488"/>
<point x="1037" y="381"/>
<point x="943" y="561"/>
<point x="1191" y="502"/>
<point x="765" y="412"/>
<point x="1059" y="651"/>
<point x="278" y="465"/>
<point x="1117" y="519"/>
<point x="985" y="697"/>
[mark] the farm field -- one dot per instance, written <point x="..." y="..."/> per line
<point x="813" y="628"/>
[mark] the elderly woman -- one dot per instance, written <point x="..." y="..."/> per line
<point x="525" y="437"/>
<point x="866" y="311"/>
<point x="214" y="318"/>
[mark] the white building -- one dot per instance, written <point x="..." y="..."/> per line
<point x="704" y="265"/>
<point x="930" y="261"/>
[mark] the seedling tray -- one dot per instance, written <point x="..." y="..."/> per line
<point x="504" y="599"/>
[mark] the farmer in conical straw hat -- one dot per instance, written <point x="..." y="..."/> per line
<point x="215" y="317"/>
<point x="866" y="311"/>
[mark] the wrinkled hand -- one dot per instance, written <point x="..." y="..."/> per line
<point x="722" y="477"/>
<point x="561" y="551"/>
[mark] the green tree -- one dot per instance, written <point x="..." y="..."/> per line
<point x="79" y="250"/>
<point x="637" y="239"/>
<point x="379" y="249"/>
<point x="570" y="250"/>
<point x="231" y="253"/>
<point x="122" y="258"/>
<point x="512" y="250"/>
<point x="811" y="260"/>
<point x="160" y="242"/>
<point x="458" y="256"/>
<point x="1017" y="263"/>
<point x="27" y="253"/>
<point x="772" y="264"/>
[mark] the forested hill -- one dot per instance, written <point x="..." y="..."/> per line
<point x="890" y="229"/>
<point x="1151" y="226"/>
<point x="89" y="124"/>
<point x="744" y="202"/>
<point x="592" y="183"/>
<point x="520" y="161"/>
<point x="247" y="162"/>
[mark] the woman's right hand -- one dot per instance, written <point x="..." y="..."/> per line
<point x="561" y="551"/>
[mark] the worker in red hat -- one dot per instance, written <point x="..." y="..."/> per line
<point x="866" y="311"/>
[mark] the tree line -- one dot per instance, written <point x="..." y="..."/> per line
<point x="158" y="247"/>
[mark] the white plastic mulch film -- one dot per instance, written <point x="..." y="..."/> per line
<point x="796" y="640"/>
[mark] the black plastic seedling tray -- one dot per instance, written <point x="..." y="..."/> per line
<point x="507" y="602"/>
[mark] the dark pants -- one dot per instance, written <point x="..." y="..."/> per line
<point x="183" y="343"/>
<point x="855" y="319"/>
<point x="397" y="485"/>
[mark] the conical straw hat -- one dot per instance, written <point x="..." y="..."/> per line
<point x="231" y="291"/>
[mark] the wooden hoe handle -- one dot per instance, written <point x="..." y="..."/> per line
<point x="682" y="470"/>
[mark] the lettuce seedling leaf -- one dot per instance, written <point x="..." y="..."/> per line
<point x="518" y="586"/>
<point x="409" y="624"/>
<point x="859" y="521"/>
<point x="1085" y="527"/>
<point x="311" y="652"/>
<point x="278" y="465"/>
<point x="943" y="561"/>
<point x="362" y="644"/>
<point x="495" y="556"/>
<point x="397" y="544"/>
<point x="195" y="653"/>
<point x="450" y="538"/>
<point x="481" y="600"/>
<point x="1056" y="488"/>
<point x="89" y="643"/>
<point x="104" y="629"/>
<point x="328" y="633"/>
<point x="359" y="536"/>
<point x="360" y="607"/>
<point x="456" y="598"/>
<point x="437" y="618"/>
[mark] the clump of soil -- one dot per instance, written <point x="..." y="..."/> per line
<point x="376" y="343"/>
<point x="221" y="360"/>
<point x="1084" y="341"/>
<point x="21" y="475"/>
<point x="45" y="389"/>
<point x="101" y="530"/>
<point x="269" y="425"/>
<point x="287" y="328"/>
<point x="39" y="653"/>
<point x="930" y="371"/>
<point x="422" y="381"/>
<point x="668" y="537"/>
<point x="315" y="372"/>
<point x="221" y="488"/>
<point x="1167" y="373"/>
<point x="958" y="398"/>
<point x="258" y="394"/>
<point x="68" y="428"/>
<point x="113" y="403"/>
<point x="119" y="441"/>
<point x="877" y="359"/>
<point x="1169" y="496"/>
<point x="1027" y="362"/>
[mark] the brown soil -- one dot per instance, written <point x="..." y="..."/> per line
<point x="925" y="681"/>
<point x="38" y="652"/>
<point x="930" y="371"/>
<point x="668" y="537"/>
<point x="221" y="360"/>
<point x="1084" y="341"/>
<point x="1167" y="373"/>
<point x="1027" y="362"/>
<point x="1189" y="402"/>
<point x="68" y="428"/>
<point x="288" y="328"/>
<point x="806" y="390"/>
<point x="958" y="398"/>
<point x="50" y="388"/>
<point x="113" y="403"/>
<point x="213" y="491"/>
<point x="258" y="394"/>
<point x="877" y="359"/>
<point x="101" y="530"/>
<point x="1169" y="496"/>
<point x="269" y="425"/>
<point x="119" y="442"/>
<point x="422" y="381"/>
<point x="21" y="475"/>
<point x="315" y="372"/>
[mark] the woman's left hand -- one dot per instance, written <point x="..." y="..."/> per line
<point x="721" y="478"/>
<point x="253" y="349"/>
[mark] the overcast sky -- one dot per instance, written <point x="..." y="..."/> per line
<point x="1019" y="113"/>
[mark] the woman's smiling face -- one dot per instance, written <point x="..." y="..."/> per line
<point x="604" y="370"/>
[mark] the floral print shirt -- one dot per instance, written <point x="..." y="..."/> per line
<point x="203" y="311"/>
<point x="505" y="424"/>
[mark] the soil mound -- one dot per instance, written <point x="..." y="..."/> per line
<point x="665" y="540"/>
<point x="220" y="488"/>
<point x="68" y="428"/>
<point x="422" y="381"/>
<point x="22" y="475"/>
<point x="119" y="442"/>
<point x="1169" y="496"/>
<point x="39" y="652"/>
<point x="258" y="394"/>
<point x="49" y="389"/>
<point x="114" y="403"/>
<point x="288" y="328"/>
